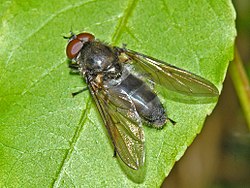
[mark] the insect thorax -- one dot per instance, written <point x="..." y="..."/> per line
<point x="96" y="57"/>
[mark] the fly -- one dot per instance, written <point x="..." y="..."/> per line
<point x="123" y="97"/>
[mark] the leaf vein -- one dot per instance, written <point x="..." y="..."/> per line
<point x="70" y="151"/>
<point x="35" y="82"/>
<point x="44" y="24"/>
<point x="124" y="20"/>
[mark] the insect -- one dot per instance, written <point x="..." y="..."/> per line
<point x="119" y="82"/>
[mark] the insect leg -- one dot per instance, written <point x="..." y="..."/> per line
<point x="114" y="153"/>
<point x="80" y="91"/>
<point x="74" y="68"/>
<point x="171" y="121"/>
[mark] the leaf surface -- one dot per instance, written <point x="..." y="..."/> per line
<point x="48" y="138"/>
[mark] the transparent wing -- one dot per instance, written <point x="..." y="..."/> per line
<point x="123" y="124"/>
<point x="171" y="77"/>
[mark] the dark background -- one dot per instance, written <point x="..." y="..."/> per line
<point x="220" y="156"/>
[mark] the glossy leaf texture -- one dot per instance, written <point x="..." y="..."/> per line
<point x="48" y="138"/>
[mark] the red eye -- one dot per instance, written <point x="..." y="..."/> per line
<point x="73" y="48"/>
<point x="75" y="45"/>
<point x="85" y="37"/>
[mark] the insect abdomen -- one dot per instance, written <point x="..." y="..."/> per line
<point x="146" y="101"/>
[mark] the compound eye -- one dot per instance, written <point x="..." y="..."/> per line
<point x="85" y="37"/>
<point x="73" y="48"/>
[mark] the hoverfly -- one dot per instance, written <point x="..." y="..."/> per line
<point x="123" y="97"/>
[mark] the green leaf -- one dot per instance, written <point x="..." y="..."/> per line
<point x="48" y="138"/>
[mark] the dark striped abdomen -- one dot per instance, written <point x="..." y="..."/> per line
<point x="146" y="101"/>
